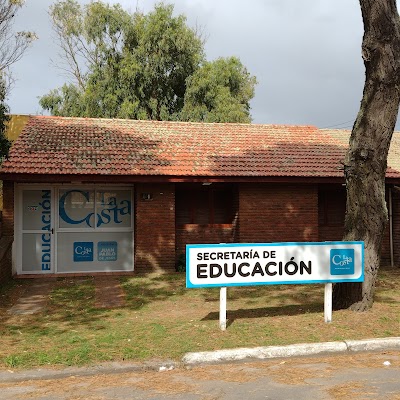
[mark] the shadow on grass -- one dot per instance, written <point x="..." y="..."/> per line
<point x="142" y="290"/>
<point x="71" y="303"/>
<point x="274" y="295"/>
<point x="264" y="312"/>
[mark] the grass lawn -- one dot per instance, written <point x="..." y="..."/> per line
<point x="163" y="320"/>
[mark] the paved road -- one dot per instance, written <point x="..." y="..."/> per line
<point x="350" y="376"/>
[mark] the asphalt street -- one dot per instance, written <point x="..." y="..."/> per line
<point x="359" y="375"/>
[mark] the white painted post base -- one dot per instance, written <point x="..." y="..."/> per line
<point x="222" y="308"/>
<point x="328" y="303"/>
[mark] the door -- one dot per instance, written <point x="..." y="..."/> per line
<point x="63" y="229"/>
<point x="35" y="231"/>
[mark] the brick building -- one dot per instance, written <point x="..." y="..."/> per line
<point x="87" y="196"/>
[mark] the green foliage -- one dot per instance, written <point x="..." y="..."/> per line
<point x="181" y="263"/>
<point x="66" y="100"/>
<point x="142" y="66"/>
<point x="219" y="91"/>
<point x="5" y="144"/>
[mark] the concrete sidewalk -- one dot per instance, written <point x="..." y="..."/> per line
<point x="209" y="357"/>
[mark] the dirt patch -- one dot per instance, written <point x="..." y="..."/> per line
<point x="34" y="299"/>
<point x="108" y="292"/>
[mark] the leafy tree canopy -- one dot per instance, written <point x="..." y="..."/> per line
<point x="142" y="66"/>
<point x="219" y="91"/>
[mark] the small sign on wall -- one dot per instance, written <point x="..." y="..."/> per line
<point x="107" y="251"/>
<point x="83" y="251"/>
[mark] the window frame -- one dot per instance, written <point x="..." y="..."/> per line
<point x="324" y="207"/>
<point x="192" y="191"/>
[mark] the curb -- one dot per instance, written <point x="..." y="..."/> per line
<point x="295" y="350"/>
<point x="207" y="357"/>
<point x="106" y="368"/>
<point x="390" y="343"/>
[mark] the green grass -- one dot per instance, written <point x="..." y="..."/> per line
<point x="161" y="319"/>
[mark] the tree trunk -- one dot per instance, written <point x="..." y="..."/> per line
<point x="366" y="159"/>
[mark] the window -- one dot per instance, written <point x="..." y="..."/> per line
<point x="204" y="205"/>
<point x="95" y="229"/>
<point x="331" y="207"/>
<point x="93" y="209"/>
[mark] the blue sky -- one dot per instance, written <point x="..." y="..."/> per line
<point x="305" y="54"/>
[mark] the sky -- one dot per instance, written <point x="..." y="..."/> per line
<point x="306" y="55"/>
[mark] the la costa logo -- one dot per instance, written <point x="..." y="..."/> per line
<point x="341" y="260"/>
<point x="112" y="210"/>
<point x="83" y="251"/>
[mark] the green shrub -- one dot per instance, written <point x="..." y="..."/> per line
<point x="180" y="265"/>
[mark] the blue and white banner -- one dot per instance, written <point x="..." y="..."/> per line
<point x="273" y="263"/>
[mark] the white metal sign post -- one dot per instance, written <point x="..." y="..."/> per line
<point x="328" y="302"/>
<point x="222" y="308"/>
<point x="224" y="265"/>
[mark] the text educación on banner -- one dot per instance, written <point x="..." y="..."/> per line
<point x="273" y="263"/>
<point x="246" y="268"/>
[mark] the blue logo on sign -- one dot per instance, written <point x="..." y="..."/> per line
<point x="342" y="261"/>
<point x="83" y="251"/>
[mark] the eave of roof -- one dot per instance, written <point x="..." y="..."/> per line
<point x="129" y="179"/>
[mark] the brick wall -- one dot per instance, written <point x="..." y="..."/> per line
<point x="385" y="250"/>
<point x="330" y="233"/>
<point x="155" y="228"/>
<point x="267" y="213"/>
<point x="336" y="233"/>
<point x="278" y="213"/>
<point x="331" y="211"/>
<point x="329" y="230"/>
<point x="198" y="234"/>
<point x="396" y="225"/>
<point x="7" y="232"/>
<point x="8" y="209"/>
<point x="5" y="259"/>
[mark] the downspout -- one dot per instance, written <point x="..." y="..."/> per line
<point x="391" y="228"/>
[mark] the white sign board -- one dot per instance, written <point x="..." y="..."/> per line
<point x="223" y="265"/>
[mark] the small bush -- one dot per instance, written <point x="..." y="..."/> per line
<point x="180" y="265"/>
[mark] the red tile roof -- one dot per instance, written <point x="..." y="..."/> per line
<point x="85" y="146"/>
